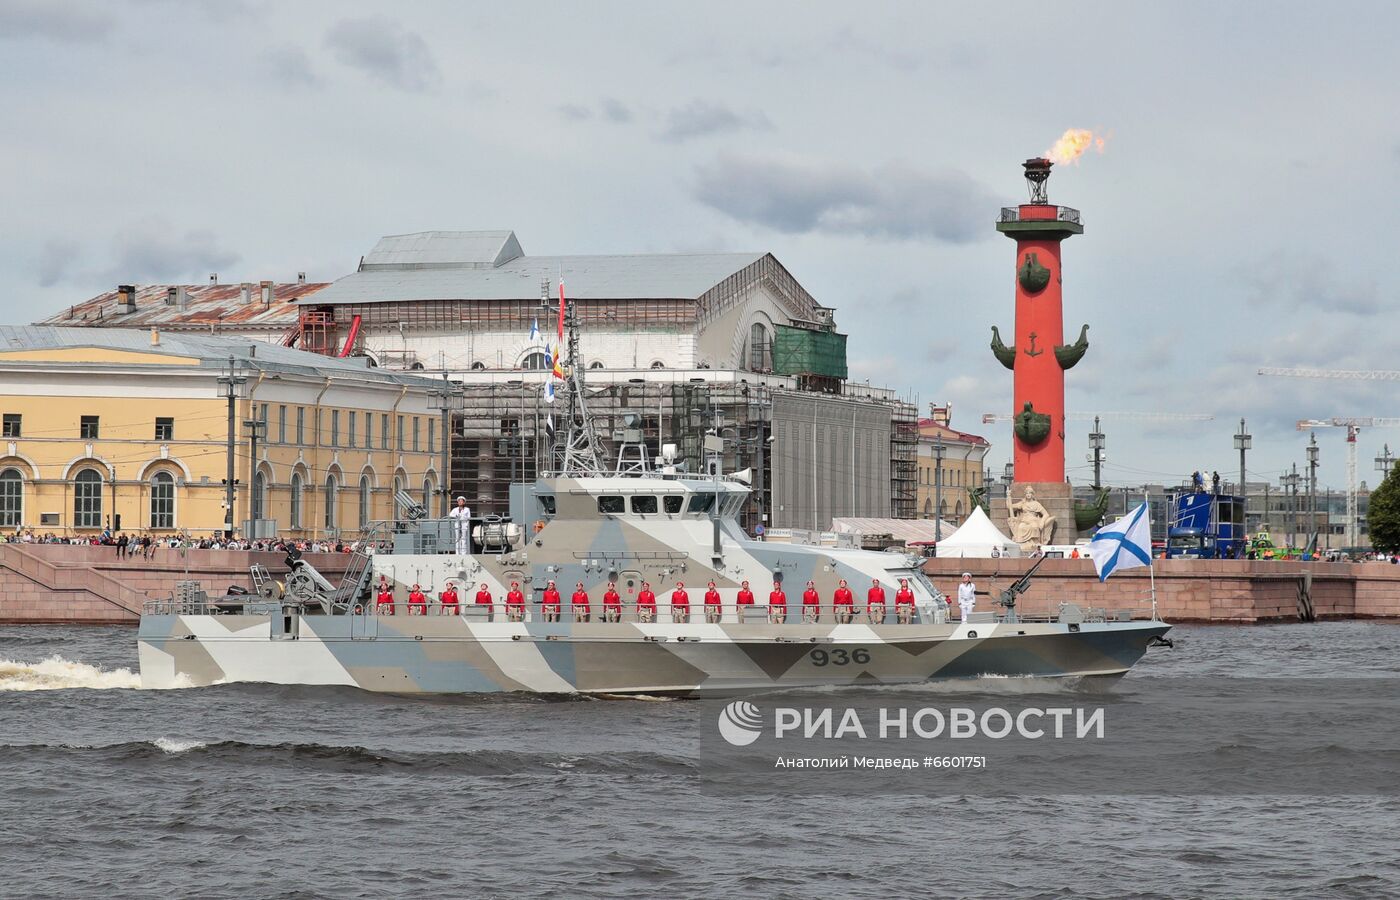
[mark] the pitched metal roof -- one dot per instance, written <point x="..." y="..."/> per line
<point x="209" y="304"/>
<point x="438" y="265"/>
<point x="210" y="350"/>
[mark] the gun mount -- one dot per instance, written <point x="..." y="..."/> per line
<point x="1018" y="587"/>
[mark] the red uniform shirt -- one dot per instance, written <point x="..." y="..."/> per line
<point x="449" y="597"/>
<point x="777" y="598"/>
<point x="646" y="598"/>
<point x="551" y="597"/>
<point x="483" y="596"/>
<point x="611" y="599"/>
<point x="580" y="600"/>
<point x="417" y="597"/>
<point x="745" y="597"/>
<point x="515" y="598"/>
<point x="680" y="598"/>
<point x="844" y="597"/>
<point x="811" y="598"/>
<point x="875" y="597"/>
<point x="385" y="597"/>
<point x="904" y="596"/>
<point x="712" y="597"/>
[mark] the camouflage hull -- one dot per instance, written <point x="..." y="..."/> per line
<point x="452" y="654"/>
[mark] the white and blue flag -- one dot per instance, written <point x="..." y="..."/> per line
<point x="535" y="330"/>
<point x="1126" y="544"/>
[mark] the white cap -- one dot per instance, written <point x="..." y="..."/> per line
<point x="967" y="575"/>
<point x="463" y="499"/>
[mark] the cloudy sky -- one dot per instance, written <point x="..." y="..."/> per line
<point x="1240" y="216"/>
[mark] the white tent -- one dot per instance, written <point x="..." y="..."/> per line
<point x="977" y="538"/>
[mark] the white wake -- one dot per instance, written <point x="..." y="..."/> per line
<point x="59" y="674"/>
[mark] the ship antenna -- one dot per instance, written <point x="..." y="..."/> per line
<point x="578" y="457"/>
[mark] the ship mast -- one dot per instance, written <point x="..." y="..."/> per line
<point x="577" y="455"/>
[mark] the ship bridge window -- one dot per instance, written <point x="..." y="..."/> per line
<point x="644" y="505"/>
<point x="547" y="504"/>
<point x="611" y="505"/>
<point x="732" y="506"/>
<point x="672" y="503"/>
<point x="701" y="503"/>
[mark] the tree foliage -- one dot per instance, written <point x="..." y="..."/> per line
<point x="1384" y="514"/>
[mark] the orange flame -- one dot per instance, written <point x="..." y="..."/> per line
<point x="1072" y="145"/>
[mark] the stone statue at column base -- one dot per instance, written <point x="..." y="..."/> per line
<point x="1031" y="524"/>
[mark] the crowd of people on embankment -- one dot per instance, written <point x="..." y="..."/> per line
<point x="145" y="546"/>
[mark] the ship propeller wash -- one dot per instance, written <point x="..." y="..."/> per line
<point x="637" y="525"/>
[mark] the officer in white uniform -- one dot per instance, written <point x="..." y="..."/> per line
<point x="967" y="595"/>
<point x="461" y="515"/>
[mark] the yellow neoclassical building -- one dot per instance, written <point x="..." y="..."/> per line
<point x="115" y="428"/>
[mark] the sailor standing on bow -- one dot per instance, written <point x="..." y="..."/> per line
<point x="461" y="516"/>
<point x="967" y="595"/>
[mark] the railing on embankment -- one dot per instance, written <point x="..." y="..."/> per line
<point x="1190" y="590"/>
<point x="61" y="583"/>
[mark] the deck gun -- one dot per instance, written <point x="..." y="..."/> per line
<point x="1018" y="587"/>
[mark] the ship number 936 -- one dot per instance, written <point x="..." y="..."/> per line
<point x="839" y="657"/>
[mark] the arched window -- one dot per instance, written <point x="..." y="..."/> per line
<point x="364" y="501"/>
<point x="296" y="500"/>
<point x="428" y="493"/>
<point x="928" y="509"/>
<point x="759" y="348"/>
<point x="87" y="499"/>
<point x="478" y="366"/>
<point x="943" y="510"/>
<point x="658" y="364"/>
<point x="259" y="496"/>
<point x="162" y="500"/>
<point x="596" y="364"/>
<point x="332" y="490"/>
<point x="11" y="498"/>
<point x="534" y="360"/>
<point x="957" y="511"/>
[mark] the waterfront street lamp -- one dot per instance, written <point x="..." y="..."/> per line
<point x="938" y="453"/>
<point x="1289" y="482"/>
<point x="1312" y="483"/>
<point x="1243" y="441"/>
<point x="1096" y="445"/>
<point x="1385" y="462"/>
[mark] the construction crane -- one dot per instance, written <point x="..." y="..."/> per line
<point x="1353" y="426"/>
<point x="994" y="418"/>
<point x="1355" y="374"/>
<point x="1350" y="424"/>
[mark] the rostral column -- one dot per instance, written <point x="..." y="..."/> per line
<point x="1037" y="358"/>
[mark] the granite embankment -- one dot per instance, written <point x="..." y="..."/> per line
<point x="59" y="583"/>
<point x="1227" y="591"/>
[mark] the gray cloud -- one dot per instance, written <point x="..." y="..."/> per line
<point x="615" y="110"/>
<point x="56" y="260"/>
<point x="153" y="251"/>
<point x="797" y="195"/>
<point x="575" y="112"/>
<point x="700" y="118"/>
<point x="384" y="50"/>
<point x="1302" y="281"/>
<point x="63" y="22"/>
<point x="290" y="66"/>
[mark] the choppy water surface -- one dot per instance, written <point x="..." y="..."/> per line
<point x="264" y="791"/>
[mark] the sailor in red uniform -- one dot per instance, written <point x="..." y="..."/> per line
<point x="680" y="604"/>
<point x="450" y="603"/>
<point x="811" y="603"/>
<point x="582" y="611"/>
<point x="904" y="603"/>
<point x="384" y="600"/>
<point x="646" y="604"/>
<point x="417" y="602"/>
<point x="515" y="603"/>
<point x="744" y="599"/>
<point x="844" y="604"/>
<point x="550" y="604"/>
<point x="713" y="608"/>
<point x="777" y="604"/>
<point x="875" y="603"/>
<point x="484" y="598"/>
<point x="612" y="604"/>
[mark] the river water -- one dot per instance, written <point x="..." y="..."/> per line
<point x="265" y="791"/>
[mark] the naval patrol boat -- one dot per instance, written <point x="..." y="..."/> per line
<point x="627" y="526"/>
